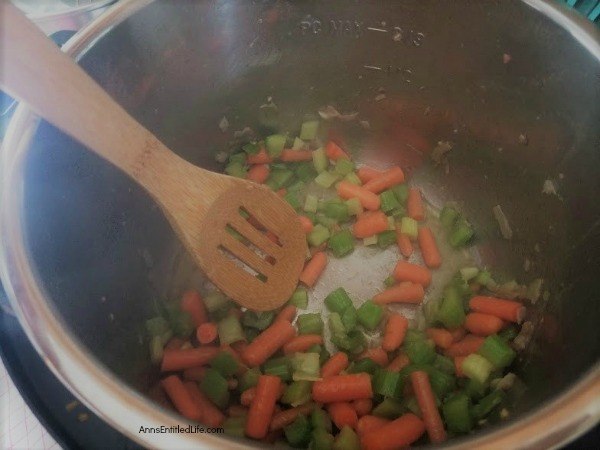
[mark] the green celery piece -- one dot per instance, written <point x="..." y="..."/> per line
<point x="298" y="433"/>
<point x="306" y="366"/>
<point x="323" y="356"/>
<point x="386" y="238"/>
<point x="311" y="323"/>
<point x="318" y="235"/>
<point x="215" y="301"/>
<point x="441" y="382"/>
<point x="487" y="404"/>
<point x="236" y="169"/>
<point x="310" y="203"/>
<point x="412" y="405"/>
<point x="357" y="341"/>
<point x="320" y="161"/>
<point x="410" y="227"/>
<point x="292" y="198"/>
<point x="474" y="389"/>
<point x="278" y="178"/>
<point x="387" y="383"/>
<point x="352" y="177"/>
<point x="297" y="187"/>
<point x="336" y="325"/>
<point x="461" y="234"/>
<point x="371" y="240"/>
<point x="327" y="222"/>
<point x="305" y="171"/>
<point x="320" y="420"/>
<point x="237" y="158"/>
<point x="444" y="364"/>
<point x="497" y="351"/>
<point x="180" y="322"/>
<point x="258" y="320"/>
<point x="369" y="315"/>
<point x="389" y="408"/>
<point x="309" y="130"/>
<point x="477" y="367"/>
<point x="398" y="214"/>
<point x="249" y="379"/>
<point x="230" y="330"/>
<point x="299" y="298"/>
<point x="321" y="440"/>
<point x="315" y="348"/>
<point x="347" y="439"/>
<point x="337" y="211"/>
<point x="157" y="326"/>
<point x="509" y="333"/>
<point x="414" y="335"/>
<point x="251" y="333"/>
<point x="338" y="300"/>
<point x="451" y="312"/>
<point x="235" y="426"/>
<point x="389" y="202"/>
<point x="274" y="144"/>
<point x="343" y="167"/>
<point x="215" y="387"/>
<point x="251" y="148"/>
<point x="468" y="273"/>
<point x="366" y="365"/>
<point x="420" y="351"/>
<point x="297" y="393"/>
<point x="279" y="367"/>
<point x="225" y="364"/>
<point x="448" y="216"/>
<point x="401" y="193"/>
<point x="156" y="349"/>
<point x="326" y="179"/>
<point x="349" y="318"/>
<point x="354" y="206"/>
<point x="341" y="243"/>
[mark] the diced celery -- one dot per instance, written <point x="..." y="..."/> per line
<point x="420" y="351"/>
<point x="320" y="160"/>
<point x="497" y="351"/>
<point x="484" y="278"/>
<point x="444" y="364"/>
<point x="354" y="206"/>
<point x="156" y="349"/>
<point x="215" y="387"/>
<point x="508" y="333"/>
<point x="225" y="364"/>
<point x="401" y="193"/>
<point x="391" y="223"/>
<point x="461" y="233"/>
<point x="157" y="326"/>
<point x="249" y="379"/>
<point x="251" y="148"/>
<point x="369" y="315"/>
<point x="389" y="201"/>
<point x="410" y="227"/>
<point x="487" y="404"/>
<point x="343" y="167"/>
<point x="352" y="177"/>
<point x="298" y="144"/>
<point x="349" y="318"/>
<point x="258" y="320"/>
<point x="474" y="389"/>
<point x="398" y="214"/>
<point x="230" y="330"/>
<point x="451" y="311"/>
<point x="412" y="405"/>
<point x="306" y="366"/>
<point x="299" y="298"/>
<point x="341" y="243"/>
<point x="278" y="178"/>
<point x="297" y="187"/>
<point x="336" y="325"/>
<point x="305" y="171"/>
<point x="389" y="409"/>
<point x="321" y="439"/>
<point x="326" y="179"/>
<point x="274" y="144"/>
<point x="469" y="273"/>
<point x="386" y="238"/>
<point x="327" y="222"/>
<point x="338" y="300"/>
<point x="448" y="216"/>
<point x="311" y="323"/>
<point x="320" y="420"/>
<point x="235" y="426"/>
<point x="347" y="439"/>
<point x="336" y="210"/>
<point x="309" y="130"/>
<point x="297" y="393"/>
<point x="477" y="367"/>
<point x="357" y="341"/>
<point x="180" y="322"/>
<point x="387" y="383"/>
<point x="457" y="415"/>
<point x="236" y="169"/>
<point x="371" y="240"/>
<point x="318" y="235"/>
<point x="310" y="203"/>
<point x="238" y="158"/>
<point x="298" y="432"/>
<point x="366" y="365"/>
<point x="292" y="198"/>
<point x="279" y="367"/>
<point x="441" y="382"/>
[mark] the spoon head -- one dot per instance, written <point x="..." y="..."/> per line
<point x="252" y="246"/>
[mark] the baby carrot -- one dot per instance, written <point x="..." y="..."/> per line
<point x="210" y="414"/>
<point x="370" y="224"/>
<point x="414" y="204"/>
<point x="247" y="396"/>
<point x="404" y="244"/>
<point x="369" y="423"/>
<point x="302" y="343"/>
<point x="194" y="373"/>
<point x="429" y="410"/>
<point x="467" y="345"/>
<point x="262" y="157"/>
<point x="287" y="313"/>
<point x="457" y="334"/>
<point x="403" y="292"/>
<point x="458" y="360"/>
<point x="483" y="324"/>
<point x="398" y="363"/>
<point x="363" y="406"/>
<point x="386" y="180"/>
<point x="307" y="224"/>
<point x="342" y="388"/>
<point x="366" y="174"/>
<point x="180" y="397"/>
<point x="335" y="365"/>
<point x="192" y="303"/>
<point x="285" y="418"/>
<point x="268" y="342"/>
<point x="405" y="271"/>
<point x="334" y="152"/>
<point x="429" y="249"/>
<point x="440" y="336"/>
<point x="178" y="359"/>
<point x="207" y="333"/>
<point x="263" y="405"/>
<point x="377" y="354"/>
<point x="289" y="155"/>
<point x="342" y="413"/>
<point x="258" y="173"/>
<point x="367" y="199"/>
<point x="313" y="269"/>
<point x="395" y="330"/>
<point x="394" y="435"/>
<point x="505" y="309"/>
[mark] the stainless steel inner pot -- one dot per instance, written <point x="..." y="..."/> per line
<point x="85" y="251"/>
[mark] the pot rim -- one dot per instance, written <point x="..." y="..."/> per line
<point x="549" y="425"/>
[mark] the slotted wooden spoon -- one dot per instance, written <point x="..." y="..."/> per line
<point x="199" y="204"/>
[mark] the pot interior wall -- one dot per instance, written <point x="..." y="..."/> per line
<point x="105" y="253"/>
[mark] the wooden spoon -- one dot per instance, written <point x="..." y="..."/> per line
<point x="199" y="204"/>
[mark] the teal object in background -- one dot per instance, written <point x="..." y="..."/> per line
<point x="589" y="8"/>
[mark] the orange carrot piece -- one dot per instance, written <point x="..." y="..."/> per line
<point x="429" y="248"/>
<point x="429" y="411"/>
<point x="505" y="309"/>
<point x="369" y="423"/>
<point x="237" y="411"/>
<point x="395" y="330"/>
<point x="366" y="174"/>
<point x="377" y="355"/>
<point x="414" y="204"/>
<point x="342" y="413"/>
<point x="262" y="157"/>
<point x="398" y="363"/>
<point x="289" y="155"/>
<point x="207" y="333"/>
<point x="403" y="292"/>
<point x="405" y="271"/>
<point x="483" y="324"/>
<point x="367" y="199"/>
<point x="394" y="435"/>
<point x="285" y="418"/>
<point x="313" y="269"/>
<point x="174" y="344"/>
<point x="211" y="415"/>
<point x="177" y="359"/>
<point x="263" y="406"/>
<point x="306" y="223"/>
<point x="342" y="388"/>
<point x="192" y="303"/>
<point x="363" y="406"/>
<point x="247" y="396"/>
<point x="389" y="178"/>
<point x="370" y="224"/>
<point x="334" y="365"/>
<point x="457" y="334"/>
<point x="334" y="152"/>
<point x="194" y="373"/>
<point x="268" y="342"/>
<point x="258" y="173"/>
<point x="287" y="313"/>
<point x="467" y="345"/>
<point x="404" y="244"/>
<point x="180" y="397"/>
<point x="440" y="336"/>
<point x="302" y="343"/>
<point x="458" y="360"/>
